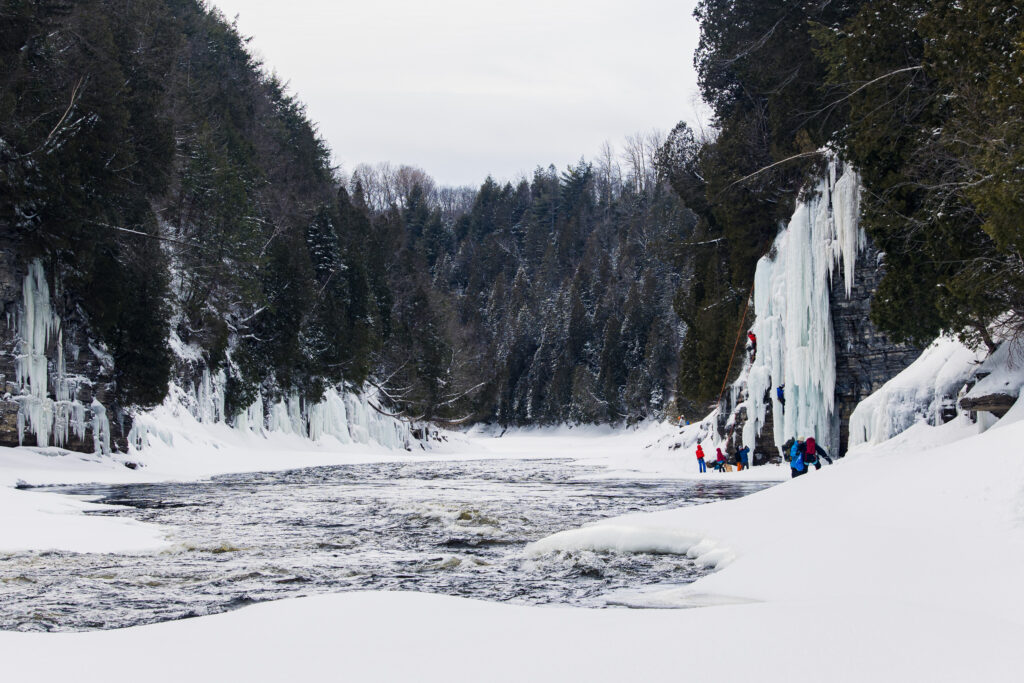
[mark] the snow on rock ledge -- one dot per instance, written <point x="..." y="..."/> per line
<point x="925" y="391"/>
<point x="1000" y="379"/>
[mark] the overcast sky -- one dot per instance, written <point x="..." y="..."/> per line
<point x="464" y="88"/>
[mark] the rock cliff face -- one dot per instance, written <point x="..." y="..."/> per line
<point x="865" y="358"/>
<point x="57" y="385"/>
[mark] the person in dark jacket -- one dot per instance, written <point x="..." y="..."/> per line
<point x="814" y="453"/>
<point x="741" y="458"/>
<point x="781" y="394"/>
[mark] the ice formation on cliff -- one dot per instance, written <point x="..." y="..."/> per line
<point x="52" y="416"/>
<point x="793" y="323"/>
<point x="50" y="409"/>
<point x="342" y="416"/>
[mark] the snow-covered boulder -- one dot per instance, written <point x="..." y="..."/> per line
<point x="999" y="380"/>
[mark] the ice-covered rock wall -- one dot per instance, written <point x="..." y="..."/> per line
<point x="52" y="406"/>
<point x="339" y="416"/>
<point x="793" y="323"/>
<point x="57" y="386"/>
<point x="812" y="299"/>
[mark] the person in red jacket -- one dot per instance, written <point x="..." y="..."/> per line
<point x="700" y="458"/>
<point x="752" y="345"/>
<point x="720" y="461"/>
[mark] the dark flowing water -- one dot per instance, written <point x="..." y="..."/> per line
<point x="456" y="528"/>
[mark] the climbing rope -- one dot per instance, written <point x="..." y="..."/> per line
<point x="739" y="332"/>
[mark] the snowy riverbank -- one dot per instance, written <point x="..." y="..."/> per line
<point x="31" y="520"/>
<point x="901" y="562"/>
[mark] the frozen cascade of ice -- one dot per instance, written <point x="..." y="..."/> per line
<point x="251" y="419"/>
<point x="100" y="428"/>
<point x="52" y="420"/>
<point x="793" y="323"/>
<point x="37" y="325"/>
<point x="329" y="417"/>
<point x="210" y="397"/>
<point x="344" y="416"/>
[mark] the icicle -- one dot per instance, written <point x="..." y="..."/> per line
<point x="329" y="417"/>
<point x="278" y="420"/>
<point x="100" y="428"/>
<point x="210" y="397"/>
<point x="37" y="325"/>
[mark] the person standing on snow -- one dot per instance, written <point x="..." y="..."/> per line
<point x="741" y="458"/>
<point x="720" y="461"/>
<point x="797" y="466"/>
<point x="813" y="451"/>
<point x="700" y="459"/>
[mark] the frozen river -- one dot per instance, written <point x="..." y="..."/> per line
<point x="456" y="528"/>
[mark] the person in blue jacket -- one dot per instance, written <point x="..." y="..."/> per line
<point x="781" y="394"/>
<point x="741" y="457"/>
<point x="797" y="466"/>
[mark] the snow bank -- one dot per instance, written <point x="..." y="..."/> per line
<point x="922" y="391"/>
<point x="1001" y="373"/>
<point x="793" y="323"/>
<point x="914" y="521"/>
<point x="618" y="538"/>
<point x="431" y="638"/>
<point x="49" y="521"/>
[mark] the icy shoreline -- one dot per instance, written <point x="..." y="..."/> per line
<point x="901" y="562"/>
<point x="33" y="520"/>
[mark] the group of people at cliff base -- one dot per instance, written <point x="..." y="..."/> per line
<point x="801" y="454"/>
<point x="721" y="462"/>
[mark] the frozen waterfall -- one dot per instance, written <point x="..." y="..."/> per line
<point x="793" y="322"/>
<point x="340" y="416"/>
<point x="52" y="416"/>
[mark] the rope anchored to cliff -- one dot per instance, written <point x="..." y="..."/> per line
<point x="739" y="332"/>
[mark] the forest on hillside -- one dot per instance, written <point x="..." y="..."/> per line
<point x="177" y="192"/>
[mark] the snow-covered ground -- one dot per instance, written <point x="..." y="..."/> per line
<point x="901" y="562"/>
<point x="416" y="637"/>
